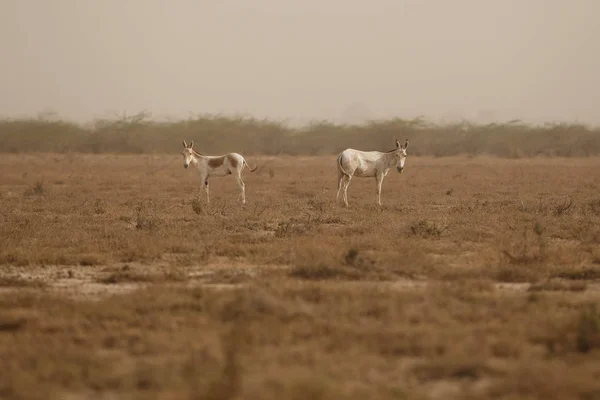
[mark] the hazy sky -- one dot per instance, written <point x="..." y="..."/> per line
<point x="530" y="59"/>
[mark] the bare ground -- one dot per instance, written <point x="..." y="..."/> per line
<point x="478" y="278"/>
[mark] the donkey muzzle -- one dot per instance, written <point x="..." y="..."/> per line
<point x="400" y="169"/>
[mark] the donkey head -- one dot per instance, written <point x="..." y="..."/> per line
<point x="401" y="154"/>
<point x="188" y="153"/>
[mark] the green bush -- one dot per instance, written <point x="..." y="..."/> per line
<point x="214" y="134"/>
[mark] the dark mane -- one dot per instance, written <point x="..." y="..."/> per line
<point x="391" y="151"/>
<point x="196" y="153"/>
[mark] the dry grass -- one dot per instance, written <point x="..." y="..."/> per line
<point x="477" y="279"/>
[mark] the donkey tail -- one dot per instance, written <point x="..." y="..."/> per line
<point x="340" y="166"/>
<point x="248" y="166"/>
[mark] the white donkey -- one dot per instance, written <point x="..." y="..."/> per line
<point x="368" y="164"/>
<point x="209" y="166"/>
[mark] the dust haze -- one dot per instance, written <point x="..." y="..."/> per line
<point x="536" y="60"/>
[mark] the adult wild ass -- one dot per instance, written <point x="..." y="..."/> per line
<point x="209" y="166"/>
<point x="368" y="164"/>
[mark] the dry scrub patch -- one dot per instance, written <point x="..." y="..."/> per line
<point x="117" y="279"/>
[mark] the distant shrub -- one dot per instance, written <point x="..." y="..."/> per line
<point x="139" y="133"/>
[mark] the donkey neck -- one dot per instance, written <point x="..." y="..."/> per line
<point x="196" y="156"/>
<point x="389" y="159"/>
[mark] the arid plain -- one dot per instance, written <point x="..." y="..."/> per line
<point x="478" y="278"/>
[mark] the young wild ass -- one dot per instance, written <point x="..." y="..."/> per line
<point x="209" y="166"/>
<point x="368" y="164"/>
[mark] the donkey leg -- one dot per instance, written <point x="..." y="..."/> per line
<point x="242" y="188"/>
<point x="346" y="184"/>
<point x="207" y="191"/>
<point x="379" y="183"/>
<point x="340" y="177"/>
<point x="204" y="185"/>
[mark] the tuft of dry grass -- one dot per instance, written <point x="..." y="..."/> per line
<point x="426" y="228"/>
<point x="37" y="189"/>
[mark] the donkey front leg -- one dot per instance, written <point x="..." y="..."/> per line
<point x="379" y="179"/>
<point x="204" y="185"/>
<point x="207" y="191"/>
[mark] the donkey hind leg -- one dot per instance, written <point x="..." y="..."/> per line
<point x="242" y="187"/>
<point x="340" y="178"/>
<point x="346" y="183"/>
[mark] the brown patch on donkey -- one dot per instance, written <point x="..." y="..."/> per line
<point x="216" y="162"/>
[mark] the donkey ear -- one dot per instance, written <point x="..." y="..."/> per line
<point x="191" y="144"/>
<point x="184" y="144"/>
<point x="406" y="144"/>
<point x="398" y="144"/>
